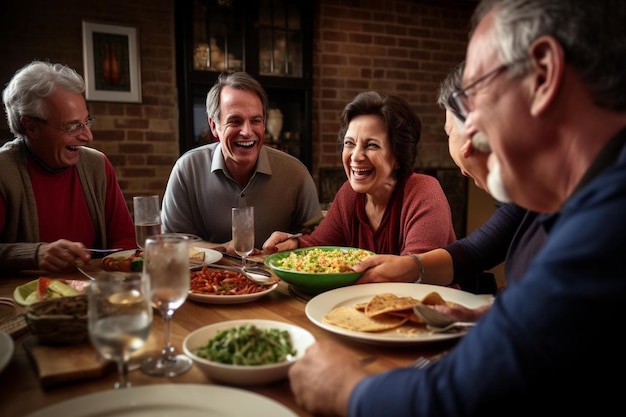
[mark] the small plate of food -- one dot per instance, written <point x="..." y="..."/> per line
<point x="213" y="284"/>
<point x="132" y="260"/>
<point x="45" y="288"/>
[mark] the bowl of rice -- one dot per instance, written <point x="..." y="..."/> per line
<point x="317" y="269"/>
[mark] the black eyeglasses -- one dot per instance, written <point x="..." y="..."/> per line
<point x="75" y="129"/>
<point x="459" y="100"/>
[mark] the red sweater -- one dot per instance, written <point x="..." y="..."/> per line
<point x="62" y="209"/>
<point x="417" y="219"/>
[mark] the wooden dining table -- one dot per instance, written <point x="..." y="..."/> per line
<point x="22" y="391"/>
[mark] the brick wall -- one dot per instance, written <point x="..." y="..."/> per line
<point x="141" y="139"/>
<point x="393" y="46"/>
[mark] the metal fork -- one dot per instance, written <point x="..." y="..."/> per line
<point x="419" y="363"/>
<point x="422" y="361"/>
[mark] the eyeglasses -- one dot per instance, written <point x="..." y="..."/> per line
<point x="460" y="99"/>
<point x="74" y="129"/>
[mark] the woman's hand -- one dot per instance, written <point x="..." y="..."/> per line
<point x="387" y="268"/>
<point x="280" y="241"/>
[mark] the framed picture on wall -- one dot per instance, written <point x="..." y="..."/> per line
<point x="111" y="59"/>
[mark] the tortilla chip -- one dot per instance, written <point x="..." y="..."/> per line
<point x="196" y="255"/>
<point x="387" y="302"/>
<point x="433" y="299"/>
<point x="409" y="314"/>
<point x="360" y="306"/>
<point x="350" y="318"/>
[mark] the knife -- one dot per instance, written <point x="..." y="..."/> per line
<point x="104" y="250"/>
<point x="237" y="257"/>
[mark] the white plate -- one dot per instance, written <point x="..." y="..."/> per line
<point x="231" y="299"/>
<point x="161" y="400"/>
<point x="6" y="350"/>
<point x="210" y="255"/>
<point x="323" y="303"/>
<point x="21" y="292"/>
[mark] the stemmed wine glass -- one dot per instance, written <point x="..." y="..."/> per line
<point x="147" y="217"/>
<point x="243" y="232"/>
<point x="119" y="318"/>
<point x="166" y="266"/>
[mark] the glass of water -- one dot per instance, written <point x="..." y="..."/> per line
<point x="119" y="318"/>
<point x="147" y="217"/>
<point x="166" y="266"/>
<point x="243" y="232"/>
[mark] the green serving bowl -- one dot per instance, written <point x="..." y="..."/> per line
<point x="312" y="282"/>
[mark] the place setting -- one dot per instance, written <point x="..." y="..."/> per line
<point x="234" y="284"/>
<point x="387" y="313"/>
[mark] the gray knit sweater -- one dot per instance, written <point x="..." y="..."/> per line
<point x="19" y="240"/>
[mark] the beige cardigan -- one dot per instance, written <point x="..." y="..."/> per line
<point x="19" y="241"/>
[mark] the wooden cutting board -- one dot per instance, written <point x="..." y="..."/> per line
<point x="61" y="364"/>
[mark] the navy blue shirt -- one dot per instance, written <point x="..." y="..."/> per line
<point x="539" y="349"/>
<point x="512" y="234"/>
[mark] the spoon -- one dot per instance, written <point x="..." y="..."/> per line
<point x="256" y="278"/>
<point x="456" y="325"/>
<point x="438" y="321"/>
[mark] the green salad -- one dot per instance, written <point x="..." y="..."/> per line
<point x="248" y="345"/>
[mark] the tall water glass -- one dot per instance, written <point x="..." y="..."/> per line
<point x="243" y="232"/>
<point x="147" y="217"/>
<point x="166" y="266"/>
<point x="119" y="318"/>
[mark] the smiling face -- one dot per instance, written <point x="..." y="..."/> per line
<point x="367" y="155"/>
<point x="501" y="109"/>
<point x="241" y="130"/>
<point x="49" y="139"/>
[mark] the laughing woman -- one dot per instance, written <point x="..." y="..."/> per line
<point x="384" y="206"/>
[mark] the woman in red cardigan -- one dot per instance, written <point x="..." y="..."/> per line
<point x="384" y="206"/>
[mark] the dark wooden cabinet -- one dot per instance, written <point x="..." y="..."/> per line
<point x="269" y="39"/>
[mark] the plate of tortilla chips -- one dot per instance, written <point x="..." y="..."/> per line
<point x="382" y="313"/>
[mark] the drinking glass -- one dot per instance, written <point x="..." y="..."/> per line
<point x="166" y="266"/>
<point x="147" y="217"/>
<point x="119" y="318"/>
<point x="243" y="232"/>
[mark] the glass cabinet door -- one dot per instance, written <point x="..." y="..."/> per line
<point x="280" y="38"/>
<point x="218" y="43"/>
<point x="269" y="39"/>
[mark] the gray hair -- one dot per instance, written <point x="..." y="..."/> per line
<point x="24" y="95"/>
<point x="591" y="34"/>
<point x="449" y="85"/>
<point x="239" y="80"/>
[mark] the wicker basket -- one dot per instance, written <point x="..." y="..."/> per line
<point x="59" y="321"/>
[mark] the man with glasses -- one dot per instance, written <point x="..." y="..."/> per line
<point x="57" y="195"/>
<point x="556" y="121"/>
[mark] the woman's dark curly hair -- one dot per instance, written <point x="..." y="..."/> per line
<point x="403" y="125"/>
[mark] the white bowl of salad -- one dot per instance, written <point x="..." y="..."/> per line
<point x="247" y="352"/>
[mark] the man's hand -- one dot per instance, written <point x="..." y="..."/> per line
<point x="324" y="378"/>
<point x="62" y="255"/>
